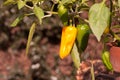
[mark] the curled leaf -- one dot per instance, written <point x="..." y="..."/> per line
<point x="31" y="32"/>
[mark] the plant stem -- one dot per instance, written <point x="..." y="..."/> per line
<point x="51" y="12"/>
<point x="29" y="14"/>
<point x="29" y="7"/>
<point x="52" y="7"/>
<point x="92" y="72"/>
<point x="111" y="5"/>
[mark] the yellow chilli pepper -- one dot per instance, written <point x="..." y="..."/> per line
<point x="67" y="40"/>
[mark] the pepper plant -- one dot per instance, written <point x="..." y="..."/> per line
<point x="75" y="30"/>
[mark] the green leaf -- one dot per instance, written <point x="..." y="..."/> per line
<point x="38" y="12"/>
<point x="66" y="2"/>
<point x="17" y="20"/>
<point x="20" y="4"/>
<point x="83" y="1"/>
<point x="99" y="16"/>
<point x="9" y="2"/>
<point x="36" y="1"/>
<point x="75" y="56"/>
<point x="31" y="32"/>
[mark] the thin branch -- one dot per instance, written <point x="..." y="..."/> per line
<point x="28" y="7"/>
<point x="49" y="15"/>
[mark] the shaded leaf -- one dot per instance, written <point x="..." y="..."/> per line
<point x="20" y="4"/>
<point x="31" y="32"/>
<point x="75" y="56"/>
<point x="38" y="12"/>
<point x="99" y="16"/>
<point x="17" y="20"/>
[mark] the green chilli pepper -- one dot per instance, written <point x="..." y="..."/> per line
<point x="82" y="36"/>
<point x="63" y="14"/>
<point x="106" y="60"/>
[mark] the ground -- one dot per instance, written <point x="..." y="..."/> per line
<point x="43" y="61"/>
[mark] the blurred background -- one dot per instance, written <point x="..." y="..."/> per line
<point x="43" y="62"/>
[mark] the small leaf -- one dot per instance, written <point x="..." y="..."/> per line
<point x="9" y="2"/>
<point x="38" y="12"/>
<point x="20" y="4"/>
<point x="31" y="32"/>
<point x="99" y="16"/>
<point x="75" y="56"/>
<point x="66" y="2"/>
<point x="83" y="1"/>
<point x="17" y="20"/>
<point x="36" y="1"/>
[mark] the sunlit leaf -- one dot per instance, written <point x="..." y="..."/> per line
<point x="20" y="4"/>
<point x="75" y="56"/>
<point x="8" y="2"/>
<point x="17" y="20"/>
<point x="83" y="1"/>
<point x="99" y="16"/>
<point x="66" y="1"/>
<point x="36" y="1"/>
<point x="38" y="12"/>
<point x="31" y="32"/>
